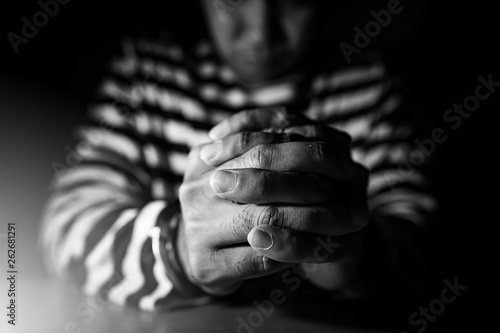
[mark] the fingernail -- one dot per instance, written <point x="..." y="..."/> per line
<point x="224" y="181"/>
<point x="213" y="133"/>
<point x="210" y="151"/>
<point x="216" y="133"/>
<point x="348" y="164"/>
<point x="260" y="240"/>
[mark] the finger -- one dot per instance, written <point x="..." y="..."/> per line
<point x="258" y="186"/>
<point x="286" y="245"/>
<point x="236" y="144"/>
<point x="306" y="157"/>
<point x="256" y="120"/>
<point x="336" y="219"/>
<point x="321" y="133"/>
<point x="197" y="165"/>
<point x="222" y="290"/>
<point x="243" y="262"/>
<point x="223" y="271"/>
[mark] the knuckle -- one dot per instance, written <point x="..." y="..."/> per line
<point x="317" y="151"/>
<point x="261" y="157"/>
<point x="264" y="184"/>
<point x="197" y="271"/>
<point x="270" y="215"/>
<point x="244" y="140"/>
<point x="183" y="190"/>
<point x="233" y="225"/>
<point x="248" y="267"/>
<point x="188" y="193"/>
<point x="202" y="272"/>
<point x="244" y="222"/>
<point x="185" y="193"/>
<point x="264" y="216"/>
<point x="255" y="155"/>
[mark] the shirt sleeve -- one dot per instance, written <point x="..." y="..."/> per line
<point x="365" y="102"/>
<point x="399" y="193"/>
<point x="97" y="222"/>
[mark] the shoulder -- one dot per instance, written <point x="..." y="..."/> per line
<point x="152" y="49"/>
<point x="341" y="91"/>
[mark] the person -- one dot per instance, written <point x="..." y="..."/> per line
<point x="203" y="166"/>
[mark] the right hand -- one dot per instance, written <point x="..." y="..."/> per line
<point x="212" y="240"/>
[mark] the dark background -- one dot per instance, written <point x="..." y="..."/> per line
<point x="439" y="48"/>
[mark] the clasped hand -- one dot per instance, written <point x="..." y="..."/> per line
<point x="263" y="195"/>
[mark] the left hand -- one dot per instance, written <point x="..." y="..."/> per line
<point x="295" y="164"/>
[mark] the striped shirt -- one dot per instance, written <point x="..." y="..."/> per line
<point x="159" y="99"/>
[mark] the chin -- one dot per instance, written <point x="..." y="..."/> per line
<point x="260" y="76"/>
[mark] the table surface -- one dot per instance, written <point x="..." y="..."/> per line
<point x="56" y="307"/>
